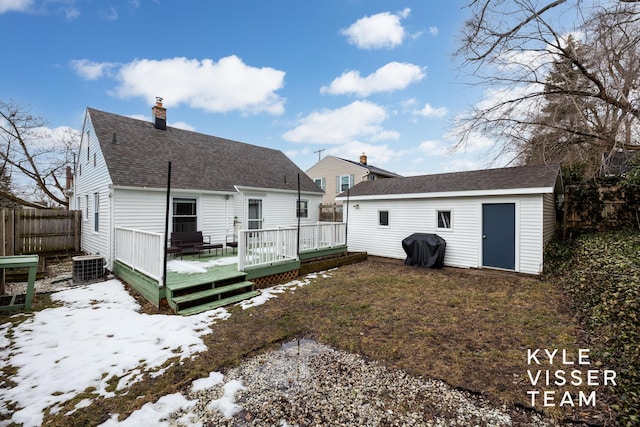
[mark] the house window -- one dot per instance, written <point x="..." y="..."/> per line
<point x="96" y="212"/>
<point x="86" y="207"/>
<point x="94" y="159"/>
<point x="184" y="215"/>
<point x="444" y="220"/>
<point x="78" y="207"/>
<point x="320" y="182"/>
<point x="383" y="218"/>
<point x="344" y="182"/>
<point x="303" y="209"/>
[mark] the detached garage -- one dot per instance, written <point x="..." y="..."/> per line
<point x="494" y="218"/>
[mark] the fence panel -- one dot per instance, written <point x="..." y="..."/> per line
<point x="29" y="231"/>
<point x="331" y="213"/>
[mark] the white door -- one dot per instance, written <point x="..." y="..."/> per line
<point x="255" y="214"/>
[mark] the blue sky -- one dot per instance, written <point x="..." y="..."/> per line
<point x="346" y="76"/>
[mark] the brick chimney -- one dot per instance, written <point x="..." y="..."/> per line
<point x="159" y="115"/>
<point x="363" y="159"/>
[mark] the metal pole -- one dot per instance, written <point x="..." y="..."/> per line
<point x="166" y="226"/>
<point x="346" y="226"/>
<point x="298" y="212"/>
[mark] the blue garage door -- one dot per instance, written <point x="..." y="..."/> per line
<point x="499" y="235"/>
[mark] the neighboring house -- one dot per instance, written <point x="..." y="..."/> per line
<point x="218" y="186"/>
<point x="497" y="218"/>
<point x="335" y="175"/>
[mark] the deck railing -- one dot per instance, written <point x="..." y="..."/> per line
<point x="141" y="250"/>
<point x="268" y="246"/>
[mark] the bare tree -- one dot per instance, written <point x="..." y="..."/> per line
<point x="591" y="104"/>
<point x="33" y="157"/>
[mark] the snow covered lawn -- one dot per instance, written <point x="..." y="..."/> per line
<point x="96" y="336"/>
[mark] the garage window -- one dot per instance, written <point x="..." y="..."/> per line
<point x="444" y="220"/>
<point x="383" y="218"/>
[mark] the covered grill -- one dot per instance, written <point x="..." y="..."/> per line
<point x="424" y="250"/>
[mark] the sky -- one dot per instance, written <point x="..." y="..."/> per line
<point x="331" y="77"/>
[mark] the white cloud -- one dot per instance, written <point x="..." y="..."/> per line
<point x="377" y="155"/>
<point x="390" y="77"/>
<point x="90" y="70"/>
<point x="15" y="5"/>
<point x="382" y="30"/>
<point x="429" y="111"/>
<point x="459" y="165"/>
<point x="182" y="125"/>
<point x="434" y="31"/>
<point x="433" y="148"/>
<point x="360" y="119"/>
<point x="222" y="86"/>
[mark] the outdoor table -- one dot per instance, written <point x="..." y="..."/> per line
<point x="21" y="261"/>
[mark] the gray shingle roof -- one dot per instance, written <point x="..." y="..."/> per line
<point x="521" y="177"/>
<point x="140" y="156"/>
<point x="373" y="169"/>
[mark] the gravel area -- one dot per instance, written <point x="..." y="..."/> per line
<point x="57" y="277"/>
<point x="309" y="384"/>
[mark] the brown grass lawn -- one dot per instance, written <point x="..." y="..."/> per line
<point x="470" y="328"/>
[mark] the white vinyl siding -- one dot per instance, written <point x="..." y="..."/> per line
<point x="530" y="236"/>
<point x="549" y="217"/>
<point x="463" y="240"/>
<point x="93" y="180"/>
<point x="279" y="208"/>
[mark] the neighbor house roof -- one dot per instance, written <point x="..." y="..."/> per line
<point x="372" y="169"/>
<point x="488" y="180"/>
<point x="137" y="155"/>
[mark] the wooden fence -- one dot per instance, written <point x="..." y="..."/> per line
<point x="599" y="207"/>
<point x="331" y="213"/>
<point x="31" y="231"/>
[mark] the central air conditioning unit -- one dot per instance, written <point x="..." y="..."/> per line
<point x="87" y="269"/>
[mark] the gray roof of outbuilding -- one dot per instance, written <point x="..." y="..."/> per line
<point x="141" y="153"/>
<point x="520" y="177"/>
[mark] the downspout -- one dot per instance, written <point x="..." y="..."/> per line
<point x="166" y="227"/>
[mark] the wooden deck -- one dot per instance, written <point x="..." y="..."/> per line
<point x="219" y="285"/>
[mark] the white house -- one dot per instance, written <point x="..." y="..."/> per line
<point x="218" y="186"/>
<point x="496" y="218"/>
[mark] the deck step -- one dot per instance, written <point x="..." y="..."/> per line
<point x="211" y="292"/>
<point x="194" y="280"/>
<point x="219" y="303"/>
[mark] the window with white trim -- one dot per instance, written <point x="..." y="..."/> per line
<point x="320" y="182"/>
<point x="383" y="218"/>
<point x="444" y="220"/>
<point x="96" y="212"/>
<point x="185" y="217"/>
<point x="344" y="182"/>
<point x="303" y="209"/>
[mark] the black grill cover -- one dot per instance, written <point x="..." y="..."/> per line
<point x="424" y="250"/>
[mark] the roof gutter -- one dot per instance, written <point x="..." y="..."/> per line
<point x="241" y="188"/>
<point x="471" y="193"/>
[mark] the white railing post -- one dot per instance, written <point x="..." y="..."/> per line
<point x="141" y="250"/>
<point x="267" y="246"/>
